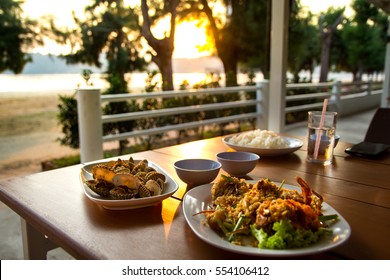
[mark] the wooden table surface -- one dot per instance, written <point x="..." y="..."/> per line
<point x="53" y="204"/>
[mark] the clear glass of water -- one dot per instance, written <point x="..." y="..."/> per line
<point x="321" y="152"/>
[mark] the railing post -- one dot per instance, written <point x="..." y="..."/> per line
<point x="385" y="97"/>
<point x="336" y="94"/>
<point x="369" y="87"/>
<point x="262" y="107"/>
<point x="90" y="124"/>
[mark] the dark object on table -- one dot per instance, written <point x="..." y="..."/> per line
<point x="379" y="129"/>
<point x="367" y="149"/>
<point x="377" y="139"/>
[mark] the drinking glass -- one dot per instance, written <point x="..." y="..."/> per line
<point x="321" y="152"/>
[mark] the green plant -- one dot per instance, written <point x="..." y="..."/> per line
<point x="67" y="115"/>
<point x="67" y="118"/>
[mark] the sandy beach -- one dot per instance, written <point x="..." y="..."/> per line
<point x="28" y="133"/>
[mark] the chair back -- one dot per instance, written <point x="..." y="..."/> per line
<point x="379" y="128"/>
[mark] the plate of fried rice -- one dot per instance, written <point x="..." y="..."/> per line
<point x="264" y="218"/>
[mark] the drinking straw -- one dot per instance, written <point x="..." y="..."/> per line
<point x="318" y="140"/>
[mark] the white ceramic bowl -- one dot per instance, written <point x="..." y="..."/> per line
<point x="324" y="142"/>
<point x="238" y="163"/>
<point x="197" y="171"/>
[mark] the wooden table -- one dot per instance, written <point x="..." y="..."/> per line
<point x="57" y="213"/>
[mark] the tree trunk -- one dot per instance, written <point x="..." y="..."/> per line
<point x="163" y="60"/>
<point x="226" y="48"/>
<point x="325" y="52"/>
<point x="326" y="39"/>
<point x="230" y="67"/>
<point x="164" y="47"/>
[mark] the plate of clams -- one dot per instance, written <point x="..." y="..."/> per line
<point x="126" y="184"/>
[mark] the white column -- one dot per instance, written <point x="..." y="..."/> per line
<point x="90" y="124"/>
<point x="386" y="81"/>
<point x="336" y="95"/>
<point x="278" y="65"/>
<point x="262" y="95"/>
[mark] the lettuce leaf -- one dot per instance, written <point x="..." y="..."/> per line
<point x="286" y="236"/>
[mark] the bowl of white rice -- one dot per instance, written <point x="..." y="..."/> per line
<point x="263" y="142"/>
<point x="259" y="139"/>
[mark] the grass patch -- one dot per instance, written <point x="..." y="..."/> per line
<point x="75" y="159"/>
<point x="25" y="124"/>
<point x="66" y="161"/>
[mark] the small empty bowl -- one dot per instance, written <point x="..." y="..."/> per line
<point x="237" y="163"/>
<point x="326" y="142"/>
<point x="197" y="171"/>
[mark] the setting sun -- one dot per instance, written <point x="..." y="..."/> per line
<point x="191" y="40"/>
<point x="188" y="38"/>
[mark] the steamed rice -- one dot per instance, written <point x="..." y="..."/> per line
<point x="259" y="139"/>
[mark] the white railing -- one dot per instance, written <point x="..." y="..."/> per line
<point x="183" y="110"/>
<point x="91" y="119"/>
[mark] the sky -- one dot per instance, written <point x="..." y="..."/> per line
<point x="317" y="6"/>
<point x="188" y="36"/>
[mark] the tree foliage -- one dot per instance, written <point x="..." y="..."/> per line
<point x="303" y="54"/>
<point x="161" y="49"/>
<point x="242" y="36"/>
<point x="238" y="32"/>
<point x="361" y="46"/>
<point x="68" y="119"/>
<point x="111" y="29"/>
<point x="17" y="35"/>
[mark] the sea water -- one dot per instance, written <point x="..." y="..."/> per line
<point x="43" y="84"/>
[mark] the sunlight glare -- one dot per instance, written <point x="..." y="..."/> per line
<point x="188" y="38"/>
<point x="194" y="150"/>
<point x="61" y="10"/>
<point x="317" y="7"/>
<point x="50" y="47"/>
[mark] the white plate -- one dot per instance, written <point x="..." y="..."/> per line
<point x="293" y="145"/>
<point x="199" y="199"/>
<point x="121" y="204"/>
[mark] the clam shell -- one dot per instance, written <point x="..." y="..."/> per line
<point x="141" y="176"/>
<point x="99" y="187"/>
<point x="149" y="169"/>
<point x="122" y="169"/>
<point x="153" y="187"/>
<point x="122" y="193"/>
<point x="140" y="166"/>
<point x="158" y="177"/>
<point x="154" y="175"/>
<point x="103" y="172"/>
<point x="144" y="191"/>
<point x="126" y="179"/>
<point x="131" y="160"/>
<point x="130" y="165"/>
